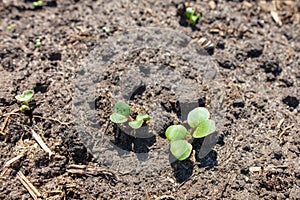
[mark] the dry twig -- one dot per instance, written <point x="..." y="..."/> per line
<point x="93" y="171"/>
<point x="4" y="124"/>
<point x="284" y="131"/>
<point x="35" y="194"/>
<point x="53" y="119"/>
<point x="13" y="160"/>
<point x="41" y="142"/>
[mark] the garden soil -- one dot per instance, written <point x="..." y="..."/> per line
<point x="257" y="52"/>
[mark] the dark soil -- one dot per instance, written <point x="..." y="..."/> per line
<point x="258" y="81"/>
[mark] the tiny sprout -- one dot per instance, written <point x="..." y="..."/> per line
<point x="37" y="4"/>
<point x="106" y="29"/>
<point x="25" y="97"/>
<point x="10" y="27"/>
<point x="122" y="114"/>
<point x="38" y="42"/>
<point x="179" y="136"/>
<point x="191" y="16"/>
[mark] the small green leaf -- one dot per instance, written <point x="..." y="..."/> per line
<point x="10" y="27"/>
<point x="189" y="12"/>
<point x="205" y="128"/>
<point x="118" y="118"/>
<point x="143" y="117"/>
<point x="190" y="15"/>
<point x="26" y="96"/>
<point x="194" y="18"/>
<point x="136" y="124"/>
<point x="176" y="132"/>
<point x="23" y="108"/>
<point x="122" y="108"/>
<point x="181" y="149"/>
<point x="196" y="116"/>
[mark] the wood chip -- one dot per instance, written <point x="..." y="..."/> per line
<point x="214" y="30"/>
<point x="254" y="169"/>
<point x="165" y="197"/>
<point x="149" y="11"/>
<point x="212" y="5"/>
<point x="274" y="168"/>
<point x="276" y="18"/>
<point x="77" y="166"/>
<point x="83" y="32"/>
<point x="147" y="194"/>
<point x="205" y="43"/>
<point x="247" y="4"/>
<point x="279" y="124"/>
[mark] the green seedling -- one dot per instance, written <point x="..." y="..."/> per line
<point x="122" y="114"/>
<point x="180" y="137"/>
<point x="37" y="4"/>
<point x="10" y="27"/>
<point x="25" y="97"/>
<point x="106" y="29"/>
<point x="191" y="16"/>
<point x="38" y="42"/>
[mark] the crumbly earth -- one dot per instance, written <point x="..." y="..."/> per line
<point x="256" y="47"/>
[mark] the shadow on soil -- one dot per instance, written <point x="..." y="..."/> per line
<point x="183" y="170"/>
<point x="128" y="143"/>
